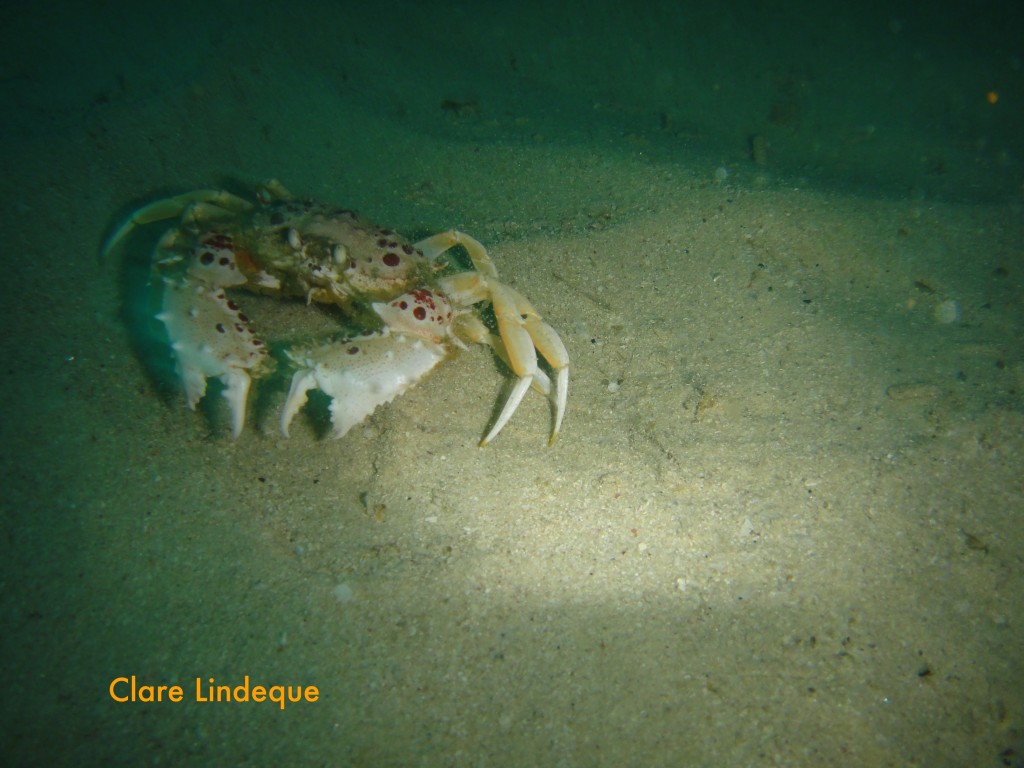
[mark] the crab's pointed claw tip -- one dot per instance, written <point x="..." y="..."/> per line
<point x="236" y="391"/>
<point x="514" y="398"/>
<point x="561" y="397"/>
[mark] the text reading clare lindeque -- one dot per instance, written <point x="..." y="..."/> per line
<point x="130" y="689"/>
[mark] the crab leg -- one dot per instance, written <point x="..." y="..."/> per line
<point x="468" y="327"/>
<point x="521" y="327"/>
<point x="172" y="208"/>
<point x="435" y="245"/>
<point x="522" y="332"/>
<point x="550" y="345"/>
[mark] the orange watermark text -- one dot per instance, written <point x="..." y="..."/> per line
<point x="130" y="689"/>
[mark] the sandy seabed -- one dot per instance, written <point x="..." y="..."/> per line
<point x="782" y="524"/>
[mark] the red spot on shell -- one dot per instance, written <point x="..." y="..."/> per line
<point x="403" y="305"/>
<point x="206" y="258"/>
<point x="353" y="350"/>
<point x="232" y="306"/>
<point x="392" y="259"/>
<point x="423" y="296"/>
<point x="221" y="328"/>
<point x="419" y="313"/>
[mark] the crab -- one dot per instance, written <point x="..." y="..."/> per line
<point x="402" y="311"/>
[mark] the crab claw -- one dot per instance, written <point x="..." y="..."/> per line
<point x="359" y="374"/>
<point x="211" y="339"/>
